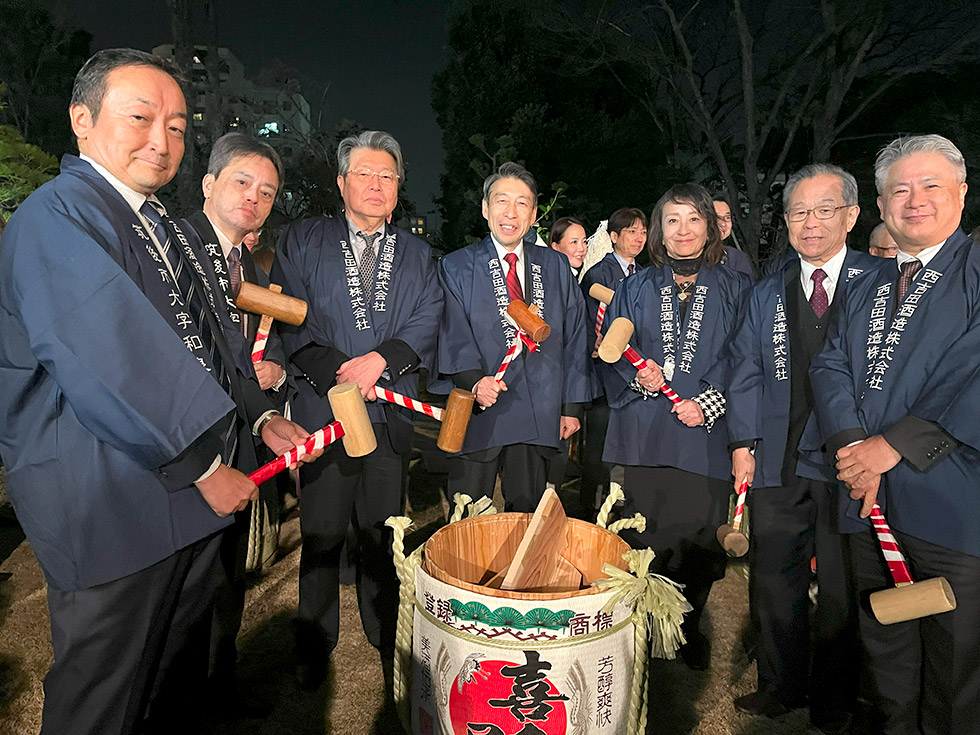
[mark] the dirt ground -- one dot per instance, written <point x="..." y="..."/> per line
<point x="682" y="701"/>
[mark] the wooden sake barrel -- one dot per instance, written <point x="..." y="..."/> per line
<point x="468" y="553"/>
<point x="472" y="645"/>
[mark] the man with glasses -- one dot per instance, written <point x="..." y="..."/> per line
<point x="881" y="244"/>
<point x="734" y="258"/>
<point x="374" y="310"/>
<point x="792" y="500"/>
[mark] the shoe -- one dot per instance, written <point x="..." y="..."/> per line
<point x="764" y="703"/>
<point x="697" y="652"/>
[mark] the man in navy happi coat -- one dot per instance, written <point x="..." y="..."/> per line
<point x="897" y="395"/>
<point x="122" y="406"/>
<point x="540" y="399"/>
<point x="374" y="307"/>
<point x="794" y="517"/>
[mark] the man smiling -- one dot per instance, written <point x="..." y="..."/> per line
<point x="540" y="400"/>
<point x="896" y="394"/>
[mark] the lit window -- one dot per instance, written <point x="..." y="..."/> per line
<point x="198" y="117"/>
<point x="269" y="128"/>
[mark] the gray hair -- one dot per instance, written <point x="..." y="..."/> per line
<point x="232" y="145"/>
<point x="90" y="83"/>
<point x="918" y="144"/>
<point x="848" y="184"/>
<point x="375" y="140"/>
<point x="511" y="170"/>
<point x="874" y="240"/>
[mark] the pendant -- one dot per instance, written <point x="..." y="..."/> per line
<point x="684" y="296"/>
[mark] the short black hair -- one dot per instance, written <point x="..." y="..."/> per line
<point x="90" y="83"/>
<point x="625" y="217"/>
<point x="232" y="145"/>
<point x="511" y="170"/>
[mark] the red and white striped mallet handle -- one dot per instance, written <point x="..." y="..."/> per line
<point x="743" y="491"/>
<point x="317" y="440"/>
<point x="515" y="346"/>
<point x="262" y="333"/>
<point x="639" y="363"/>
<point x="600" y="315"/>
<point x="889" y="548"/>
<point x="397" y="398"/>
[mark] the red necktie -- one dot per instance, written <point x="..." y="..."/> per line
<point x="819" y="301"/>
<point x="513" y="282"/>
<point x="632" y="269"/>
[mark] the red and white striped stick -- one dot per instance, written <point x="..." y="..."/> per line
<point x="889" y="548"/>
<point x="515" y="346"/>
<point x="743" y="491"/>
<point x="258" y="349"/>
<point x="317" y="440"/>
<point x="639" y="363"/>
<point x="397" y="398"/>
<point x="599" y="316"/>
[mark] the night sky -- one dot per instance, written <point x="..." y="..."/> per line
<point x="377" y="57"/>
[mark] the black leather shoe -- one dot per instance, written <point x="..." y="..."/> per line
<point x="765" y="704"/>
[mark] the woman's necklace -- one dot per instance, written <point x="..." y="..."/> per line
<point x="684" y="289"/>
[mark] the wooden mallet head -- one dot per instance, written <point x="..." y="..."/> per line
<point x="280" y="307"/>
<point x="912" y="601"/>
<point x="350" y="410"/>
<point x="601" y="293"/>
<point x="735" y="543"/>
<point x="455" y="419"/>
<point x="534" y="326"/>
<point x="616" y="340"/>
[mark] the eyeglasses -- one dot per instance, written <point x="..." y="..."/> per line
<point x="724" y="218"/>
<point x="798" y="215"/>
<point x="363" y="175"/>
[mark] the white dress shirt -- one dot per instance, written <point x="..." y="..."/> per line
<point x="832" y="268"/>
<point x="519" y="252"/>
<point x="923" y="256"/>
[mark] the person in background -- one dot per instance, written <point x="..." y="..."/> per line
<point x="568" y="237"/>
<point x="881" y="244"/>
<point x="734" y="257"/>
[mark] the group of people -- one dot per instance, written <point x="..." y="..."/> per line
<point x="133" y="408"/>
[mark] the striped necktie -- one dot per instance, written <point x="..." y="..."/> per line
<point x="187" y="285"/>
<point x="908" y="270"/>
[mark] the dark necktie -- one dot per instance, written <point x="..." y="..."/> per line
<point x="235" y="280"/>
<point x="234" y="269"/>
<point x="513" y="282"/>
<point x="187" y="286"/>
<point x="909" y="268"/>
<point x="368" y="259"/>
<point x="631" y="269"/>
<point x="819" y="301"/>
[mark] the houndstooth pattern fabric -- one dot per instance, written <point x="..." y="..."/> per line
<point x="713" y="405"/>
<point x="635" y="385"/>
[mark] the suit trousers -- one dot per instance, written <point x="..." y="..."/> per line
<point x="131" y="655"/>
<point x="595" y="472"/>
<point x="523" y="474"/>
<point x="925" y="674"/>
<point x="336" y="491"/>
<point x="789" y="526"/>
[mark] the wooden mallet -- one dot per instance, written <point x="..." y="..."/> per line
<point x="604" y="296"/>
<point x="730" y="536"/>
<point x="616" y="344"/>
<point x="906" y="600"/>
<point x="266" y="301"/>
<point x="352" y="423"/>
<point x="531" y="329"/>
<point x="455" y="417"/>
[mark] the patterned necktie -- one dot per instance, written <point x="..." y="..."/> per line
<point x="819" y="301"/>
<point x="631" y="269"/>
<point x="909" y="269"/>
<point x="513" y="282"/>
<point x="234" y="269"/>
<point x="368" y="259"/>
<point x="187" y="286"/>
